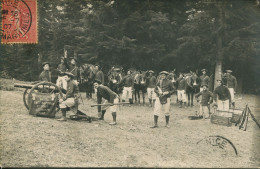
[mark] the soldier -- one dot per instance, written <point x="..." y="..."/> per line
<point x="71" y="96"/>
<point x="72" y="68"/>
<point x="46" y="73"/>
<point x="231" y="84"/>
<point x="206" y="100"/>
<point x="164" y="89"/>
<point x="61" y="82"/>
<point x="224" y="99"/>
<point x="128" y="83"/>
<point x="110" y="97"/>
<point x="99" y="74"/>
<point x="181" y="90"/>
<point x="189" y="88"/>
<point x="151" y="84"/>
<point x="204" y="79"/>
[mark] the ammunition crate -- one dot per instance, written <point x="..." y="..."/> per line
<point x="221" y="118"/>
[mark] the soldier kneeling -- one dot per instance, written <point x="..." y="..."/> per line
<point x="69" y="100"/>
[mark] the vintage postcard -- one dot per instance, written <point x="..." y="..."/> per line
<point x="130" y="83"/>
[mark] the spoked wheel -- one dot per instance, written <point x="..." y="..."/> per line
<point x="25" y="96"/>
<point x="42" y="87"/>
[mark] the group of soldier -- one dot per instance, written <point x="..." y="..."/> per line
<point x="159" y="90"/>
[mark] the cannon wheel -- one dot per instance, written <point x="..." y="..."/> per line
<point x="42" y="87"/>
<point x="25" y="96"/>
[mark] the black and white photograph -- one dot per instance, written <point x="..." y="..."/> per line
<point x="130" y="83"/>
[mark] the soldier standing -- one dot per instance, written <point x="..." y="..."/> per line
<point x="99" y="74"/>
<point x="110" y="97"/>
<point x="128" y="83"/>
<point x="46" y="73"/>
<point x="61" y="82"/>
<point x="222" y="97"/>
<point x="151" y="84"/>
<point x="71" y="96"/>
<point x="164" y="89"/>
<point x="204" y="79"/>
<point x="181" y="90"/>
<point x="231" y="84"/>
<point x="72" y="68"/>
<point x="206" y="99"/>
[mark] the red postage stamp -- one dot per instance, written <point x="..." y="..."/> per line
<point x="19" y="21"/>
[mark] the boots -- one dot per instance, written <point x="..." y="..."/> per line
<point x="63" y="118"/>
<point x="185" y="106"/>
<point x="155" y="122"/>
<point x="180" y="104"/>
<point x="102" y="115"/>
<point x="114" y="118"/>
<point x="131" y="101"/>
<point x="99" y="115"/>
<point x="123" y="102"/>
<point x="167" y="121"/>
<point x="150" y="101"/>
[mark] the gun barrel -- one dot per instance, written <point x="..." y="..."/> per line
<point x="25" y="86"/>
<point x="110" y="104"/>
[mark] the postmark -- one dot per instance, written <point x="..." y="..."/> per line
<point x="19" y="21"/>
<point x="219" y="143"/>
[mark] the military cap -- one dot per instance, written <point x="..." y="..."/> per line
<point x="229" y="71"/>
<point x="150" y="71"/>
<point x="204" y="85"/>
<point x="74" y="59"/>
<point x="45" y="63"/>
<point x="203" y="70"/>
<point x="164" y="72"/>
<point x="97" y="81"/>
<point x="69" y="74"/>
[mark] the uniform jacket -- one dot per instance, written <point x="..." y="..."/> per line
<point x="206" y="97"/>
<point x="204" y="79"/>
<point x="128" y="81"/>
<point x="151" y="82"/>
<point x="181" y="84"/>
<point x="45" y="76"/>
<point x="232" y="82"/>
<point x="72" y="69"/>
<point x="100" y="76"/>
<point x="72" y="89"/>
<point x="222" y="92"/>
<point x="106" y="93"/>
<point x="166" y="86"/>
<point x="61" y="68"/>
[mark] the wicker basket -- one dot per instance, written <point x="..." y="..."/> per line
<point x="221" y="118"/>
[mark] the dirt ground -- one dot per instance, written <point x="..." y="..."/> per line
<point x="28" y="141"/>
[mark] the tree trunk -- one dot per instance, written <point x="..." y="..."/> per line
<point x="219" y="56"/>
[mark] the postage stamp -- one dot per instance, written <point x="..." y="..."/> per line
<point x="19" y="21"/>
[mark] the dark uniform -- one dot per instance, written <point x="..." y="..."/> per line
<point x="222" y="97"/>
<point x="45" y="76"/>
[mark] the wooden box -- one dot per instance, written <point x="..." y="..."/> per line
<point x="221" y="118"/>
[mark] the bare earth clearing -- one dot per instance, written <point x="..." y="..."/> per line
<point x="28" y="141"/>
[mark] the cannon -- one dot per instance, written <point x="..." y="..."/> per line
<point x="42" y="87"/>
<point x="41" y="98"/>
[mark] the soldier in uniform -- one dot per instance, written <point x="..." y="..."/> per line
<point x="69" y="100"/>
<point x="206" y="100"/>
<point x="204" y="79"/>
<point x="164" y="89"/>
<point x="61" y="82"/>
<point x="231" y="85"/>
<point x="128" y="83"/>
<point x="110" y="97"/>
<point x="72" y="68"/>
<point x="181" y="90"/>
<point x="46" y="73"/>
<point x="151" y="84"/>
<point x="222" y="97"/>
<point x="99" y="74"/>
